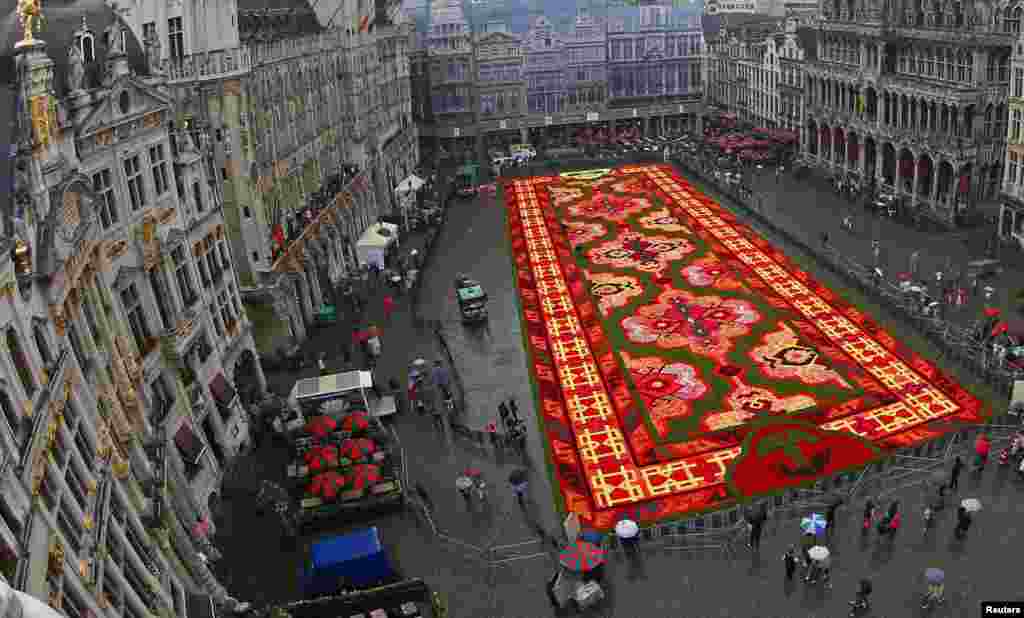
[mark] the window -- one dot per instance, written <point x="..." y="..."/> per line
<point x="162" y="396"/>
<point x="156" y="280"/>
<point x="216" y="271"/>
<point x="136" y="187"/>
<point x="158" y="161"/>
<point x="197" y="194"/>
<point x="136" y="317"/>
<point x="76" y="343"/>
<point x="183" y="276"/>
<point x="176" y="38"/>
<point x="1015" y="126"/>
<point x="1012" y="169"/>
<point x="148" y="31"/>
<point x="88" y="48"/>
<point x="1018" y="82"/>
<point x="222" y="252"/>
<point x="43" y="347"/>
<point x="90" y="318"/>
<point x="105" y="190"/>
<point x="225" y="310"/>
<point x="21" y="363"/>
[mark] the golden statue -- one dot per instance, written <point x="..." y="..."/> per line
<point x="30" y="13"/>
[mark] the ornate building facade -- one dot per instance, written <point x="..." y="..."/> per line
<point x="309" y="130"/>
<point x="756" y="70"/>
<point x="500" y="87"/>
<point x="1011" y="211"/>
<point x="913" y="96"/>
<point x="586" y="77"/>
<point x="121" y="322"/>
<point x="449" y="44"/>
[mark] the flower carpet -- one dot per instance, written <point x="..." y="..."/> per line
<point x="683" y="364"/>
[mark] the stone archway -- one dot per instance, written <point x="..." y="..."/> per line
<point x="945" y="180"/>
<point x="906" y="171"/>
<point x="870" y="157"/>
<point x="925" y="177"/>
<point x="839" y="151"/>
<point x="853" y="152"/>
<point x="964" y="185"/>
<point x="889" y="164"/>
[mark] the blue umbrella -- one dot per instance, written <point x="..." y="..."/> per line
<point x="935" y="576"/>
<point x="815" y="523"/>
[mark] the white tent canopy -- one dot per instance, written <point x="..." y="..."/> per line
<point x="374" y="243"/>
<point x="410" y="184"/>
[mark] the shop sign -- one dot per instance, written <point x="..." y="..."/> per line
<point x="503" y="124"/>
<point x="681" y="107"/>
<point x="456" y="132"/>
<point x="548" y="120"/>
<point x="593" y="116"/>
<point x="634" y="112"/>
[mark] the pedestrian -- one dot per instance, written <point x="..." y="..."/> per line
<point x="389" y="307"/>
<point x="963" y="523"/>
<point x="755" y="523"/>
<point x="789" y="561"/>
<point x="863" y="600"/>
<point x="982" y="447"/>
<point x="465" y="486"/>
<point x="954" y="474"/>
<point x="869" y="515"/>
<point x="520" y="485"/>
<point x="876" y="251"/>
<point x="824" y="240"/>
<point x="440" y="376"/>
<point x="436" y="413"/>
<point x="915" y="258"/>
<point x="807" y="541"/>
<point x="830" y="515"/>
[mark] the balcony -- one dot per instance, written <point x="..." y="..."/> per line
<point x="208" y="66"/>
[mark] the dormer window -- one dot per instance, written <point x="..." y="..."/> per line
<point x="87" y="44"/>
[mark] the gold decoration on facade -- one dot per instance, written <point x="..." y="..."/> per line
<point x="55" y="562"/>
<point x="219" y="231"/>
<point x="184" y="328"/>
<point x="30" y="13"/>
<point x="40" y="107"/>
<point x="105" y="137"/>
<point x="91" y="486"/>
<point x="22" y="259"/>
<point x="166" y="215"/>
<point x="280" y="169"/>
<point x="38" y="472"/>
<point x="233" y="88"/>
<point x="88" y="522"/>
<point x="57" y="317"/>
<point x="152" y="120"/>
<point x="120" y="468"/>
<point x="116" y="249"/>
<point x="150" y="244"/>
<point x="8" y="286"/>
<point x="83" y="569"/>
<point x="56" y="598"/>
<point x="71" y="209"/>
<point x="76" y="264"/>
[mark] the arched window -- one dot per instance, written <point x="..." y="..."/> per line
<point x="1013" y="19"/>
<point x="88" y="45"/>
<point x="20" y="361"/>
<point x="39" y="337"/>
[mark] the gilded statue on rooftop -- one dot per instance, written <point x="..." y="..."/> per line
<point x="30" y="14"/>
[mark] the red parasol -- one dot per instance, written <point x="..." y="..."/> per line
<point x="355" y="422"/>
<point x="320" y="426"/>
<point x="1000" y="328"/>
<point x="202" y="528"/>
<point x="581" y="556"/>
<point x="357" y="448"/>
<point x="322" y="457"/>
<point x="992" y="312"/>
<point x="365" y="474"/>
<point x="328" y="484"/>
<point x="904" y="276"/>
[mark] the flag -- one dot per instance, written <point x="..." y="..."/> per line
<point x="279" y="236"/>
<point x="364" y="23"/>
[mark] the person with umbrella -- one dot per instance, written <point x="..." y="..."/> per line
<point x="465" y="486"/>
<point x="628" y="533"/>
<point x="582" y="557"/>
<point x="963" y="522"/>
<point x="936" y="587"/>
<point x="756" y="517"/>
<point x="820" y="565"/>
<point x="954" y="473"/>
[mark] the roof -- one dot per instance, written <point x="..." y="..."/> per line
<point x="62" y="20"/>
<point x="346" y="547"/>
<point x="270" y="20"/>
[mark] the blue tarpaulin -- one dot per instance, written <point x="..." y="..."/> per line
<point x="355" y="560"/>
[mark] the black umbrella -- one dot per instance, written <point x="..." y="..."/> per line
<point x="517" y="476"/>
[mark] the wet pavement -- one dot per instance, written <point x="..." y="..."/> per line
<point x="262" y="566"/>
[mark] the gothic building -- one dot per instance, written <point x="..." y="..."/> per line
<point x="1011" y="212"/>
<point x="125" y="342"/>
<point x="913" y="95"/>
<point x="309" y="129"/>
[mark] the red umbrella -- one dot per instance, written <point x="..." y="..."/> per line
<point x="355" y="422"/>
<point x="992" y="312"/>
<point x="327" y="484"/>
<point x="365" y="474"/>
<point x="1000" y="328"/>
<point x="322" y="457"/>
<point x="581" y="556"/>
<point x="357" y="448"/>
<point x="904" y="276"/>
<point x="320" y="426"/>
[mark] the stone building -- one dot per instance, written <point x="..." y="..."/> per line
<point x="913" y="96"/>
<point x="545" y="69"/>
<point x="309" y="130"/>
<point x="756" y="69"/>
<point x="501" y="89"/>
<point x="586" y="78"/>
<point x="1011" y="211"/>
<point x="122" y="328"/>
<point x="449" y="44"/>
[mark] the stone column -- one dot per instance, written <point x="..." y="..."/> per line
<point x="934" y="197"/>
<point x="913" y="184"/>
<point x="878" y="163"/>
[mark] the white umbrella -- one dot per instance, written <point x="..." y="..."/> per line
<point x="818" y="552"/>
<point x="972" y="505"/>
<point x="626" y="529"/>
<point x="419" y="362"/>
<point x="463" y="482"/>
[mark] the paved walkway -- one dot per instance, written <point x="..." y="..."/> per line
<point x="262" y="566"/>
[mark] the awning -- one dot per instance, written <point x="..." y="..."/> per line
<point x="222" y="391"/>
<point x="189" y="444"/>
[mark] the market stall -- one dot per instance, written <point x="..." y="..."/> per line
<point x="375" y="242"/>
